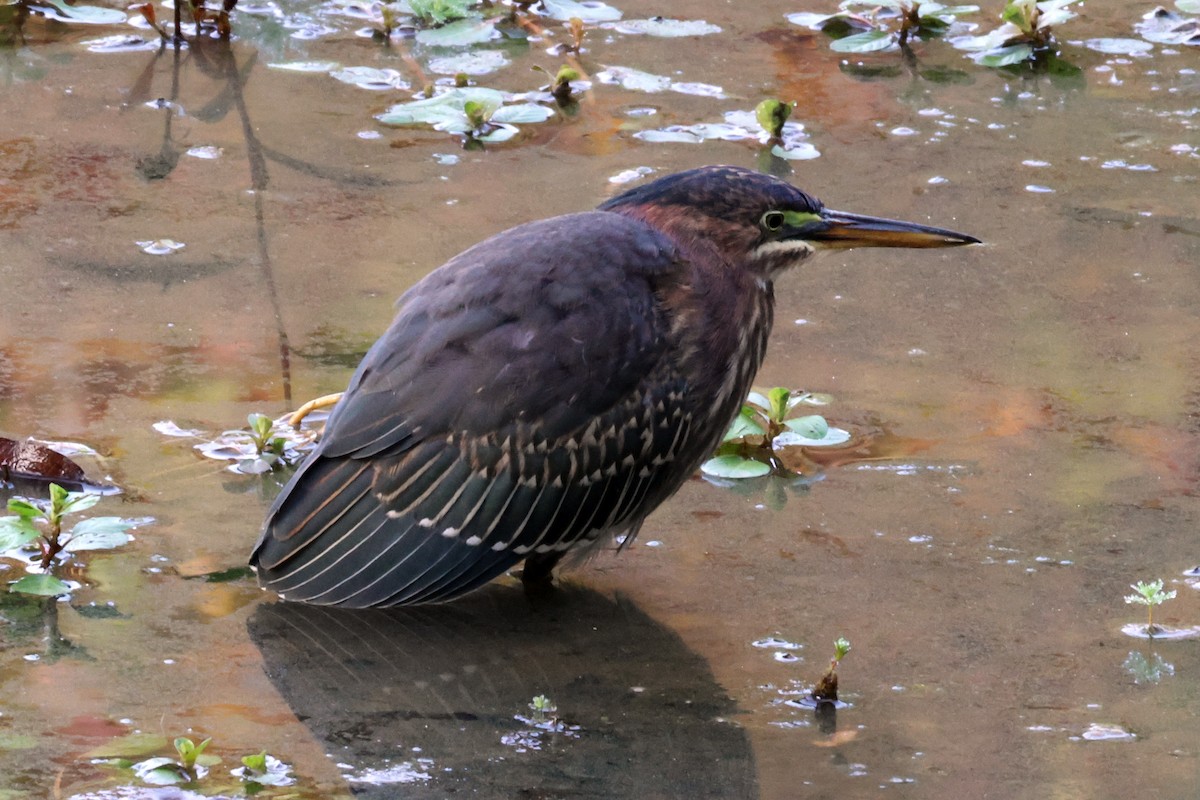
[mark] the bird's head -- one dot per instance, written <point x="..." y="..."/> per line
<point x="760" y="222"/>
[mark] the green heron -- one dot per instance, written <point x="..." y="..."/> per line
<point x="548" y="388"/>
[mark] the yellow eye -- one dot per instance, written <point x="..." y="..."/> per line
<point x="773" y="220"/>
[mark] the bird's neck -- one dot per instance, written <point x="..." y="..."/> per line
<point x="721" y="315"/>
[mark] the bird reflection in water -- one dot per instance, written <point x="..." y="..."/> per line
<point x="641" y="714"/>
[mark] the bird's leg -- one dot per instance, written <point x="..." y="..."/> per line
<point x="538" y="568"/>
<point x="312" y="405"/>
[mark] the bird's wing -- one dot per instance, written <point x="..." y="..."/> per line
<point x="520" y="402"/>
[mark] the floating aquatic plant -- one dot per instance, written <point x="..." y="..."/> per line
<point x="475" y="113"/>
<point x="260" y="769"/>
<point x="864" y="26"/>
<point x="38" y="526"/>
<point x="764" y="426"/>
<point x="1164" y="26"/>
<point x="1027" y="33"/>
<point x="190" y="764"/>
<point x="267" y="444"/>
<point x="738" y="126"/>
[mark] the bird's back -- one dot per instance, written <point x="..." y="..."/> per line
<point x="521" y="403"/>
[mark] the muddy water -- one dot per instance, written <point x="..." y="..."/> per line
<point x="1036" y="398"/>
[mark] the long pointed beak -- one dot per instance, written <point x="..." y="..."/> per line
<point x="838" y="230"/>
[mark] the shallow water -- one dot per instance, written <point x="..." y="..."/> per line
<point x="1037" y="396"/>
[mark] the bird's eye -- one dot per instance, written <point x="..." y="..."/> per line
<point x="773" y="220"/>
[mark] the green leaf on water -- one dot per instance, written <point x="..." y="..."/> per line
<point x="1005" y="56"/>
<point x="746" y="423"/>
<point x="463" y="33"/>
<point x="41" y="585"/>
<point x="867" y="42"/>
<point x="161" y="771"/>
<point x="759" y="399"/>
<point x="813" y="426"/>
<point x="521" y="113"/>
<point x="734" y="467"/>
<point x="501" y="133"/>
<point x="16" y="532"/>
<point x="98" y="533"/>
<point x="24" y="509"/>
<point x="778" y="398"/>
<point x="78" y="501"/>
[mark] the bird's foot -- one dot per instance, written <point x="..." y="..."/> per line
<point x="537" y="575"/>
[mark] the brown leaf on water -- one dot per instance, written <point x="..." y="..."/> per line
<point x="36" y="462"/>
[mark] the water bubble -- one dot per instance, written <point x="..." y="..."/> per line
<point x="1038" y="189"/>
<point x="903" y="131"/>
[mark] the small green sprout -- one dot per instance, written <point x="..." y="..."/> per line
<point x="189" y="751"/>
<point x="262" y="433"/>
<point x="772" y="114"/>
<point x="389" y="21"/>
<point x="543" y="708"/>
<point x="841" y="646"/>
<point x="191" y="764"/>
<point x="259" y="770"/>
<point x="827" y="688"/>
<point x="1149" y="595"/>
<point x="560" y="85"/>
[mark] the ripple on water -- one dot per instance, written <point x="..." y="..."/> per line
<point x="1098" y="732"/>
<point x="776" y="643"/>
<point x="1139" y="630"/>
<point x="405" y="772"/>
